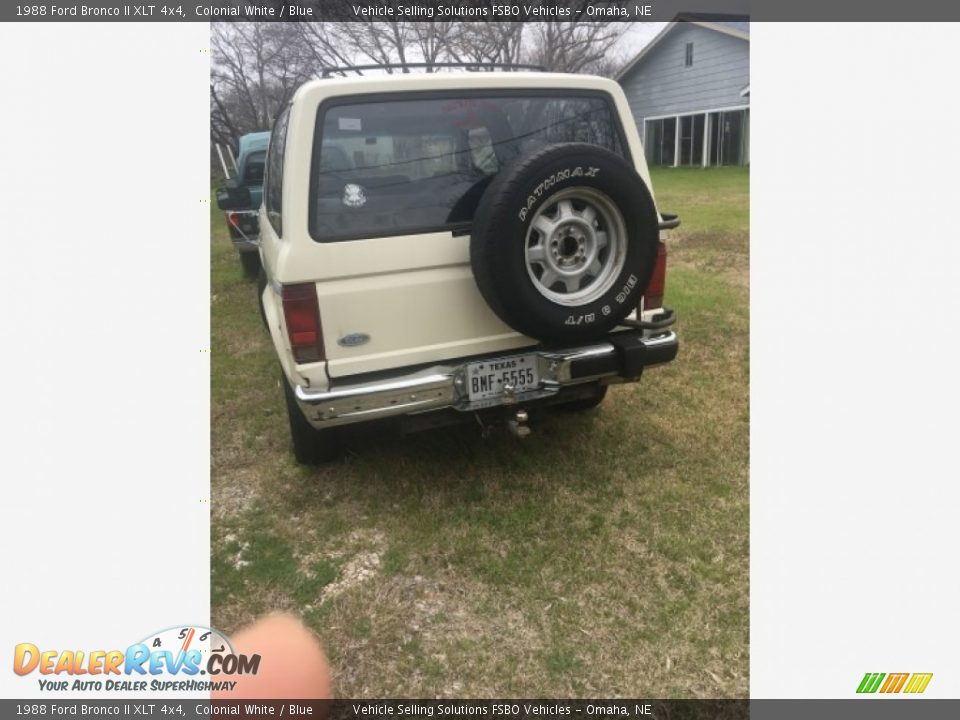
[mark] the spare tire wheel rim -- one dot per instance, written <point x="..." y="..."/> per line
<point x="576" y="246"/>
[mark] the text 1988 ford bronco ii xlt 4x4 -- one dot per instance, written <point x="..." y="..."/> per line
<point x="438" y="245"/>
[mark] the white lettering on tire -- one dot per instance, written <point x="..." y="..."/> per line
<point x="628" y="286"/>
<point x="580" y="319"/>
<point x="549" y="182"/>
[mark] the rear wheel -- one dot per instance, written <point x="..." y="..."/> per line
<point x="261" y="286"/>
<point x="310" y="446"/>
<point x="250" y="261"/>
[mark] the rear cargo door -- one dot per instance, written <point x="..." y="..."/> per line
<point x="395" y="182"/>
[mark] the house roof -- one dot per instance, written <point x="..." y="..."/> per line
<point x="737" y="26"/>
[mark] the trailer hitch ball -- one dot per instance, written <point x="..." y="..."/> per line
<point x="517" y="424"/>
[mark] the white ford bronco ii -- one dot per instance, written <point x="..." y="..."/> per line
<point x="442" y="245"/>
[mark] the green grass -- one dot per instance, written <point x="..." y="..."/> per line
<point x="714" y="200"/>
<point x="606" y="554"/>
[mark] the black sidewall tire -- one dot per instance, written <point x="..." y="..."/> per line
<point x="500" y="231"/>
<point x="261" y="288"/>
<point x="250" y="262"/>
<point x="310" y="446"/>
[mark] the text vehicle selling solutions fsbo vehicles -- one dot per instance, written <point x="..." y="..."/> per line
<point x="443" y="245"/>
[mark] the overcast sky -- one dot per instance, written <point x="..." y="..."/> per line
<point x="638" y="36"/>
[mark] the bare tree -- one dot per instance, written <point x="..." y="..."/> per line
<point x="433" y="40"/>
<point x="377" y="43"/>
<point x="575" y="47"/>
<point x="256" y="67"/>
<point x="323" y="46"/>
<point x="486" y="42"/>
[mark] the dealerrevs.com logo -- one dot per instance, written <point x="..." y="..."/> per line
<point x="912" y="683"/>
<point x="176" y="659"/>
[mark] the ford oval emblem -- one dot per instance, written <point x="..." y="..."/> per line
<point x="353" y="339"/>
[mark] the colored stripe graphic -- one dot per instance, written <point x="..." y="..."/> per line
<point x="870" y="682"/>
<point x="918" y="682"/>
<point x="894" y="682"/>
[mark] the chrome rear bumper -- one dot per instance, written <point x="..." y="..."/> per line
<point x="245" y="245"/>
<point x="246" y="236"/>
<point x="444" y="386"/>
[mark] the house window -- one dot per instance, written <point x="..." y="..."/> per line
<point x="728" y="139"/>
<point x="707" y="139"/>
<point x="660" y="141"/>
<point x="691" y="140"/>
<point x="688" y="58"/>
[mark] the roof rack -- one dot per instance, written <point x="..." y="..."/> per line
<point x="470" y="66"/>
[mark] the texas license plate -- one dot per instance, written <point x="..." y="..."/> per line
<point x="486" y="379"/>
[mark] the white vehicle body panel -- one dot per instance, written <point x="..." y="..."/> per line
<point x="413" y="295"/>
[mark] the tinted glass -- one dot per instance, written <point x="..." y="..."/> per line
<point x="396" y="167"/>
<point x="273" y="189"/>
<point x="253" y="169"/>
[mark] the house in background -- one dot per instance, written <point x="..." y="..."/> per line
<point x="689" y="90"/>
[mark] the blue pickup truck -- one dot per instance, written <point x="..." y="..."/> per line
<point x="240" y="199"/>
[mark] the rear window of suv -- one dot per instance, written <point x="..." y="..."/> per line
<point x="387" y="167"/>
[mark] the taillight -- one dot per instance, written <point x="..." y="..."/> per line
<point x="653" y="297"/>
<point x="302" y="314"/>
<point x="234" y="219"/>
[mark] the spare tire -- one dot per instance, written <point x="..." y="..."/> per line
<point x="564" y="242"/>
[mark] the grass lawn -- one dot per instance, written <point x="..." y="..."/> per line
<point x="606" y="554"/>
